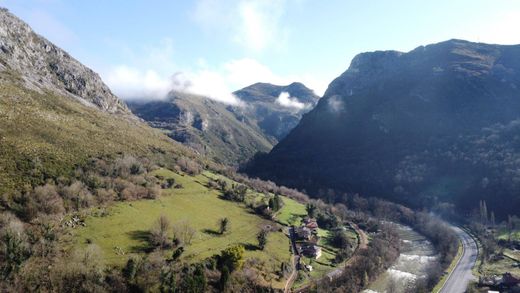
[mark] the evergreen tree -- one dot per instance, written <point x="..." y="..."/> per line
<point x="262" y="239"/>
<point x="223" y="225"/>
<point x="224" y="277"/>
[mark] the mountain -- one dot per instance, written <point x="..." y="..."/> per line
<point x="439" y="123"/>
<point x="43" y="66"/>
<point x="275" y="109"/>
<point x="229" y="133"/>
<point x="204" y="125"/>
<point x="55" y="113"/>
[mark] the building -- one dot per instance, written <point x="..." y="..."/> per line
<point x="303" y="233"/>
<point x="311" y="251"/>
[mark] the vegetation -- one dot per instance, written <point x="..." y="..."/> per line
<point x="223" y="225"/>
<point x="262" y="238"/>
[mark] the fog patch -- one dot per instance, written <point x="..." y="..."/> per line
<point x="286" y="100"/>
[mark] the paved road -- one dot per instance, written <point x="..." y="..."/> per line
<point x="458" y="280"/>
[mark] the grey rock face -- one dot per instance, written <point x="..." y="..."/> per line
<point x="44" y="66"/>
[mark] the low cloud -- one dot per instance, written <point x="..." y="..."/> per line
<point x="286" y="100"/>
<point x="256" y="25"/>
<point x="150" y="72"/>
<point x="335" y="104"/>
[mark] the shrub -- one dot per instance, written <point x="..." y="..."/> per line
<point x="183" y="232"/>
<point x="77" y="195"/>
<point x="159" y="233"/>
<point x="189" y="166"/>
<point x="48" y="199"/>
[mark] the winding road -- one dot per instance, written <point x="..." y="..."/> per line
<point x="459" y="278"/>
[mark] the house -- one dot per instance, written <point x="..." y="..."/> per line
<point x="505" y="281"/>
<point x="311" y="251"/>
<point x="310" y="223"/>
<point x="303" y="233"/>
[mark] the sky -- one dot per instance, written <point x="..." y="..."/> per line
<point x="144" y="49"/>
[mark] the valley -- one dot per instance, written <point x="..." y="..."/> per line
<point x="198" y="168"/>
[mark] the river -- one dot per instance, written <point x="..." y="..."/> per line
<point x="417" y="254"/>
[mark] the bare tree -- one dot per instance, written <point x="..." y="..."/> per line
<point x="159" y="232"/>
<point x="183" y="231"/>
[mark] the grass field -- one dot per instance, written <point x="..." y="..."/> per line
<point x="499" y="267"/>
<point x="291" y="213"/>
<point x="125" y="229"/>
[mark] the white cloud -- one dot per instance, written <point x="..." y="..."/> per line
<point x="132" y="83"/>
<point x="147" y="74"/>
<point x="137" y="81"/>
<point x="286" y="100"/>
<point x="254" y="24"/>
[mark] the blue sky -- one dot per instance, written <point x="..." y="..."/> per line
<point x="212" y="47"/>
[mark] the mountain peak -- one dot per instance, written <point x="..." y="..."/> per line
<point x="44" y="66"/>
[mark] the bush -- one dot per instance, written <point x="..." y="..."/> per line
<point x="77" y="195"/>
<point x="159" y="233"/>
<point x="189" y="166"/>
<point x="183" y="232"/>
<point x="48" y="199"/>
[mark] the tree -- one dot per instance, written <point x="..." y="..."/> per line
<point x="183" y="232"/>
<point x="340" y="239"/>
<point x="177" y="253"/>
<point x="13" y="252"/>
<point x="262" y="239"/>
<point x="223" y="225"/>
<point x="168" y="283"/>
<point x="232" y="257"/>
<point x="159" y="232"/>
<point x="224" y="277"/>
<point x="311" y="209"/>
<point x="130" y="269"/>
<point x="275" y="203"/>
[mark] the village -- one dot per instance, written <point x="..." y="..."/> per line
<point x="305" y="242"/>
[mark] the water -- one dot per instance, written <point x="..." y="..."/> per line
<point x="417" y="254"/>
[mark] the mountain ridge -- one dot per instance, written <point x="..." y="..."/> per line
<point x="399" y="124"/>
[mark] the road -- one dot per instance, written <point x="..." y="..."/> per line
<point x="458" y="280"/>
<point x="294" y="260"/>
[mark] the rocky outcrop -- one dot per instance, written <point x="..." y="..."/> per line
<point x="43" y="66"/>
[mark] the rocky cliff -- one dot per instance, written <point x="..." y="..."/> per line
<point x="44" y="66"/>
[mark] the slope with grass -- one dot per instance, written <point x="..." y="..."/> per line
<point x="44" y="135"/>
<point x="124" y="230"/>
